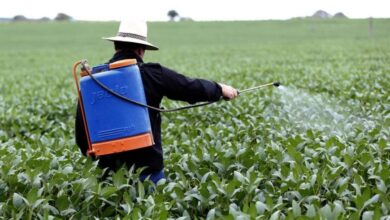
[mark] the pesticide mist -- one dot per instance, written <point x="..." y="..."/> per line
<point x="320" y="112"/>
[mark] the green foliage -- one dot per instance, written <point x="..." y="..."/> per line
<point x="243" y="159"/>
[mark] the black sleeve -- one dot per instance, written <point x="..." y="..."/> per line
<point x="81" y="137"/>
<point x="179" y="87"/>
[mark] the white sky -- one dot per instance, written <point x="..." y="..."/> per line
<point x="156" y="10"/>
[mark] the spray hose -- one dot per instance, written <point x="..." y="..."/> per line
<point x="85" y="67"/>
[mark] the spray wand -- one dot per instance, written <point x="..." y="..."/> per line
<point x="276" y="84"/>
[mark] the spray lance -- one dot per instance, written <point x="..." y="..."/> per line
<point x="86" y="69"/>
<point x="276" y="84"/>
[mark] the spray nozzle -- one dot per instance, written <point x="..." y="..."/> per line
<point x="276" y="84"/>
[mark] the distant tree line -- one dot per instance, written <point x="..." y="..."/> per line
<point x="324" y="14"/>
<point x="172" y="14"/>
<point x="59" y="17"/>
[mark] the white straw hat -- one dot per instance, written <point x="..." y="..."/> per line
<point x="133" y="32"/>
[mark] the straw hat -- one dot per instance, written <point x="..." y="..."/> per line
<point x="133" y="32"/>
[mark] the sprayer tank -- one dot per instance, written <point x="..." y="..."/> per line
<point x="110" y="118"/>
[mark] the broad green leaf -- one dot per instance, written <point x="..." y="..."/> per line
<point x="141" y="190"/>
<point x="296" y="209"/>
<point x="68" y="212"/>
<point x="19" y="201"/>
<point x="275" y="215"/>
<point x="311" y="212"/>
<point x="238" y="176"/>
<point x="37" y="203"/>
<point x="261" y="207"/>
<point x="211" y="214"/>
<point x="367" y="215"/>
<point x="372" y="200"/>
<point x="326" y="212"/>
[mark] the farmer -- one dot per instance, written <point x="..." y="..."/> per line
<point x="159" y="81"/>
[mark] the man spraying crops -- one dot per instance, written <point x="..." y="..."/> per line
<point x="158" y="81"/>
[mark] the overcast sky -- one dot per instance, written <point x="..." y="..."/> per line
<point x="156" y="10"/>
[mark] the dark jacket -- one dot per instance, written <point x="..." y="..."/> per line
<point x="158" y="82"/>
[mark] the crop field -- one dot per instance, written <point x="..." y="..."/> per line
<point x="315" y="148"/>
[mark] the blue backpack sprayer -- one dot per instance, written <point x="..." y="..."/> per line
<point x="114" y="109"/>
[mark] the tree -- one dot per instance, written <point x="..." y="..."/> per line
<point x="44" y="19"/>
<point x="19" y="18"/>
<point x="62" y="17"/>
<point x="321" y="14"/>
<point x="172" y="14"/>
<point x="340" y="15"/>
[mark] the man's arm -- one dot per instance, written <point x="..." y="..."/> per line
<point x="179" y="87"/>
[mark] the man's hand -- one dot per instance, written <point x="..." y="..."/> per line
<point x="228" y="92"/>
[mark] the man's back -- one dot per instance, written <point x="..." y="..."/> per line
<point x="158" y="82"/>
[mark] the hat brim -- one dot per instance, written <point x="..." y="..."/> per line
<point x="148" y="46"/>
